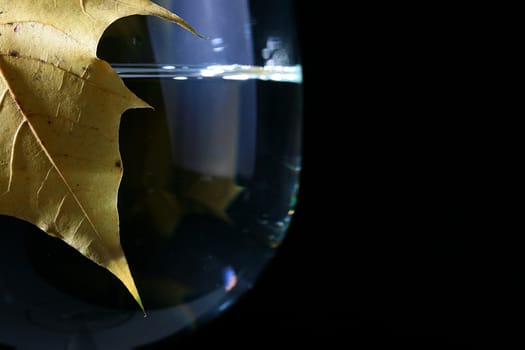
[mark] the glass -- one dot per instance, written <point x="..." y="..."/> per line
<point x="209" y="187"/>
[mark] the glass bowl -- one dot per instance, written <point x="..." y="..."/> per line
<point x="210" y="181"/>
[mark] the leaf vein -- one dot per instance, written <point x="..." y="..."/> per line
<point x="78" y="227"/>
<point x="12" y="157"/>
<point x="2" y="98"/>
<point x="42" y="184"/>
<point x="63" y="178"/>
<point x="48" y="155"/>
<point x="45" y="24"/>
<point x="59" y="209"/>
<point x="86" y="80"/>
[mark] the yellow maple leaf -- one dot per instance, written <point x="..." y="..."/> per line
<point x="60" y="110"/>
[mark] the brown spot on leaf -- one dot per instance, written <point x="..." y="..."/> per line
<point x="13" y="53"/>
<point x="118" y="164"/>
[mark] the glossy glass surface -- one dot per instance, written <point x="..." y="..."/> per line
<point x="209" y="187"/>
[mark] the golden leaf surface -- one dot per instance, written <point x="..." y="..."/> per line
<point x="60" y="110"/>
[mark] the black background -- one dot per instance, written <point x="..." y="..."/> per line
<point x="393" y="241"/>
<point x="389" y="243"/>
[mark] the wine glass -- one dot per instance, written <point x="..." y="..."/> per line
<point x="209" y="187"/>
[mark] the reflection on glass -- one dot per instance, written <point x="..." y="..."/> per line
<point x="209" y="187"/>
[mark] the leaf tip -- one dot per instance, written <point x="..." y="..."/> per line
<point x="159" y="11"/>
<point x="139" y="302"/>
